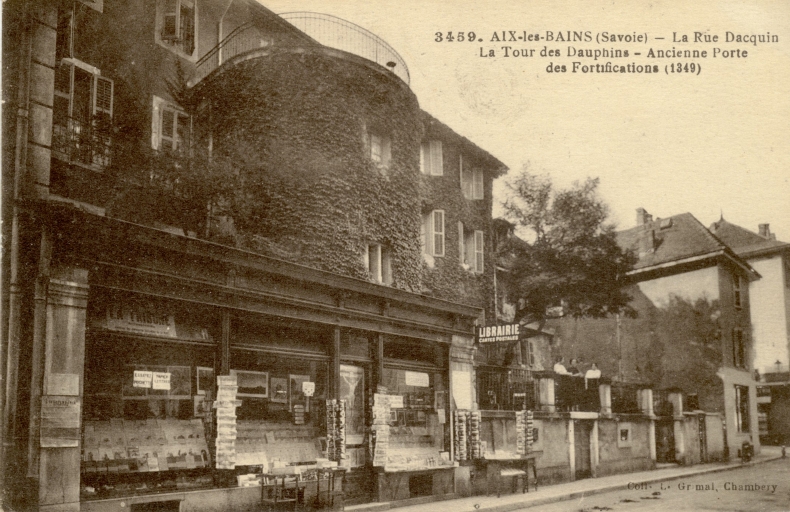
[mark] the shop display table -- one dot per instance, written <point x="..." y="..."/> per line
<point x="290" y="488"/>
<point x="499" y="468"/>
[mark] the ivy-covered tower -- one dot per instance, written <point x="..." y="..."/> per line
<point x="342" y="170"/>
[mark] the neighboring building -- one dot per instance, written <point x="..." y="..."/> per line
<point x="770" y="315"/>
<point x="692" y="332"/>
<point x="770" y="296"/>
<point x="133" y="272"/>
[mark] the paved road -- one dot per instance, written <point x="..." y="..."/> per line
<point x="763" y="487"/>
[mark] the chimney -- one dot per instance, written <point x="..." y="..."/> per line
<point x="642" y="217"/>
<point x="647" y="242"/>
<point x="765" y="232"/>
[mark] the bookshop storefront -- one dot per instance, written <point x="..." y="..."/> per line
<point x="186" y="374"/>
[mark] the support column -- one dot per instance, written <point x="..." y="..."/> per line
<point x="605" y="394"/>
<point x="335" y="384"/>
<point x="645" y="401"/>
<point x="676" y="399"/>
<point x="546" y="395"/>
<point x="64" y="361"/>
<point x="594" y="449"/>
<point x="224" y="354"/>
<point x="572" y="448"/>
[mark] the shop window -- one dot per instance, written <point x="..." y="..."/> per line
<point x="742" y="408"/>
<point x="433" y="233"/>
<point x="376" y="259"/>
<point x="177" y="22"/>
<point x="416" y="426"/>
<point x="472" y="182"/>
<point x="171" y="127"/>
<point x="431" y="158"/>
<point x="738" y="348"/>
<point x="737" y="287"/>
<point x="82" y="114"/>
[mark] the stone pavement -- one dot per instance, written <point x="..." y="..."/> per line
<point x="569" y="490"/>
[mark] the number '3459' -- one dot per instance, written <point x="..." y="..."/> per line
<point x="457" y="36"/>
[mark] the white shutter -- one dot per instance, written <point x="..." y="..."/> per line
<point x="437" y="159"/>
<point x="103" y="97"/>
<point x="427" y="234"/>
<point x="425" y="159"/>
<point x="461" y="244"/>
<point x="438" y="233"/>
<point x="478" y="251"/>
<point x="156" y="122"/>
<point x="477" y="184"/>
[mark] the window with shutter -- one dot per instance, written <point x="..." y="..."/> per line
<point x="174" y="129"/>
<point x="431" y="158"/>
<point x="82" y="114"/>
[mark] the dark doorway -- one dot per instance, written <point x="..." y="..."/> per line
<point x="665" y="441"/>
<point x="703" y="439"/>
<point x="581" y="438"/>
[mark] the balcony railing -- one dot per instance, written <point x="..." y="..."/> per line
<point x="245" y="38"/>
<point x="81" y="142"/>
<point x="343" y="35"/>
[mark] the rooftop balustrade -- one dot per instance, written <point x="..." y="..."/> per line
<point x="343" y="35"/>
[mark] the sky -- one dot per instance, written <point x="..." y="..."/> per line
<point x="712" y="142"/>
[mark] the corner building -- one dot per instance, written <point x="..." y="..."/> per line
<point x="355" y="267"/>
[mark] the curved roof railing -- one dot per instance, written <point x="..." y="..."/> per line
<point x="340" y="34"/>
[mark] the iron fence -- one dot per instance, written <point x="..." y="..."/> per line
<point x="505" y="389"/>
<point x="625" y="398"/>
<point x="87" y="143"/>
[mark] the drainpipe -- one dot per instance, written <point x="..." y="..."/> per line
<point x="9" y="349"/>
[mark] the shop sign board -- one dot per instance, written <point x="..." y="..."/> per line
<point x="135" y="320"/>
<point x="161" y="380"/>
<point x="60" y="421"/>
<point x="417" y="379"/>
<point x="143" y="379"/>
<point x="498" y="333"/>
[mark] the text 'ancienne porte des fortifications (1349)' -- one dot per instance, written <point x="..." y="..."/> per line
<point x="588" y="52"/>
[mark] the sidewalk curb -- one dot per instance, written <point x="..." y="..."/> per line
<point x="509" y="507"/>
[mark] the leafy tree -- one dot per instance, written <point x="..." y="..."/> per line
<point x="572" y="258"/>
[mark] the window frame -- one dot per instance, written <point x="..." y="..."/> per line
<point x="737" y="290"/>
<point x="175" y="41"/>
<point x="472" y="181"/>
<point x="738" y="348"/>
<point x="378" y="263"/>
<point x="742" y="412"/>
